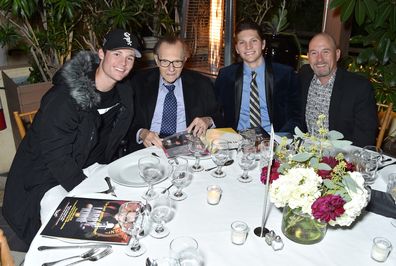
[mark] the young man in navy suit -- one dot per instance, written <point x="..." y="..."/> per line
<point x="277" y="85"/>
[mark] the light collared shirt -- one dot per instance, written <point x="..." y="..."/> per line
<point x="159" y="108"/>
<point x="244" y="115"/>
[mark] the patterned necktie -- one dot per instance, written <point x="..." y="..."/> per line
<point x="169" y="114"/>
<point x="255" y="117"/>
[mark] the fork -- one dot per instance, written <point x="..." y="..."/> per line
<point x="95" y="257"/>
<point x="84" y="255"/>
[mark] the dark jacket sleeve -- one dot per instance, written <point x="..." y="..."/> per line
<point x="57" y="141"/>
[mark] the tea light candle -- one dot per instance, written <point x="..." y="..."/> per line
<point x="214" y="194"/>
<point x="381" y="249"/>
<point x="239" y="231"/>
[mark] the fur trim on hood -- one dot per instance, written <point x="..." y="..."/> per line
<point x="75" y="74"/>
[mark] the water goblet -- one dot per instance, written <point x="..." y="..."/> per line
<point x="369" y="160"/>
<point x="132" y="220"/>
<point x="219" y="150"/>
<point x="181" y="178"/>
<point x="160" y="211"/>
<point x="246" y="158"/>
<point x="151" y="171"/>
<point x="198" y="149"/>
<point x="264" y="152"/>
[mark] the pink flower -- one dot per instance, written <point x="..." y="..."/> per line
<point x="350" y="167"/>
<point x="274" y="172"/>
<point x="328" y="208"/>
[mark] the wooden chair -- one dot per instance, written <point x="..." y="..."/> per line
<point x="22" y="120"/>
<point x="384" y="112"/>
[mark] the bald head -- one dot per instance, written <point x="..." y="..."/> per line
<point x="323" y="56"/>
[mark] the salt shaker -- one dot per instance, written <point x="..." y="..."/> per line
<point x="277" y="243"/>
<point x="269" y="237"/>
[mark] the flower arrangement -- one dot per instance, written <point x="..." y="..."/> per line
<point x="306" y="177"/>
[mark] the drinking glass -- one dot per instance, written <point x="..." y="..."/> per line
<point x="219" y="150"/>
<point x="160" y="211"/>
<point x="132" y="221"/>
<point x="264" y="152"/>
<point x="151" y="171"/>
<point x="198" y="149"/>
<point x="369" y="160"/>
<point x="246" y="158"/>
<point x="185" y="250"/>
<point x="181" y="178"/>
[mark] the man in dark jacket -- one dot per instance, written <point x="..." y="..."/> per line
<point x="276" y="87"/>
<point x="346" y="99"/>
<point x="195" y="108"/>
<point x="81" y="120"/>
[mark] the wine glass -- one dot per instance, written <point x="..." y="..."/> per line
<point x="246" y="158"/>
<point x="151" y="171"/>
<point x="132" y="221"/>
<point x="219" y="150"/>
<point x="160" y="211"/>
<point x="185" y="250"/>
<point x="181" y="178"/>
<point x="198" y="149"/>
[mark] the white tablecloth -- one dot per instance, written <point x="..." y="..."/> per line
<point x="210" y="226"/>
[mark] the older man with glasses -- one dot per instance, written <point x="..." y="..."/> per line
<point x="171" y="99"/>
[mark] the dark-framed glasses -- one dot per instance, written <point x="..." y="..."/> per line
<point x="175" y="64"/>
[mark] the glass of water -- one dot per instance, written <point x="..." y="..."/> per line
<point x="219" y="150"/>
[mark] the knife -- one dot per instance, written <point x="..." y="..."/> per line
<point x="40" y="248"/>
<point x="383" y="166"/>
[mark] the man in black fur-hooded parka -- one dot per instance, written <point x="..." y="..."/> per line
<point x="82" y="119"/>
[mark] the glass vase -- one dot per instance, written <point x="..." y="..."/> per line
<point x="301" y="228"/>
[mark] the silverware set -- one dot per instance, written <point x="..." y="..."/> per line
<point x="96" y="252"/>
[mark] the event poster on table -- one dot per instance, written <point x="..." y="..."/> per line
<point x="88" y="219"/>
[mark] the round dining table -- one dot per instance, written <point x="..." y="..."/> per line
<point x="210" y="225"/>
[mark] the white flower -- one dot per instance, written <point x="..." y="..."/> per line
<point x="354" y="207"/>
<point x="298" y="188"/>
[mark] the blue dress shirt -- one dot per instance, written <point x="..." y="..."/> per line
<point x="244" y="116"/>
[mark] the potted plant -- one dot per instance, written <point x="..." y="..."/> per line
<point x="377" y="60"/>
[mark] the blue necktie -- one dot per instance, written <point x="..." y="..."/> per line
<point x="169" y="115"/>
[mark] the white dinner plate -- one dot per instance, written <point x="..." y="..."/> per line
<point x="125" y="171"/>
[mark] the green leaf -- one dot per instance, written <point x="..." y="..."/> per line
<point x="337" y="3"/>
<point x="347" y="9"/>
<point x="383" y="15"/>
<point x="324" y="166"/>
<point x="329" y="184"/>
<point x="371" y="6"/>
<point x="349" y="183"/>
<point x="340" y="144"/>
<point x="334" y="135"/>
<point x="314" y="162"/>
<point x="302" y="157"/>
<point x="392" y="19"/>
<point x="299" y="133"/>
<point x="360" y="12"/>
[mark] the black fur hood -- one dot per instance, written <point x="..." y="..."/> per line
<point x="76" y="74"/>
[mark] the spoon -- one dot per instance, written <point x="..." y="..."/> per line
<point x="227" y="163"/>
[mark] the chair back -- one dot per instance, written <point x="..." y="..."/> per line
<point x="384" y="112"/>
<point x="23" y="121"/>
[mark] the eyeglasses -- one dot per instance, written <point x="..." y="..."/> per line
<point x="175" y="64"/>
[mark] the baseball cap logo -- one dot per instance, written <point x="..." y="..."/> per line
<point x="127" y="38"/>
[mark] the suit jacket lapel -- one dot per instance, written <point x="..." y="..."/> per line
<point x="336" y="97"/>
<point x="238" y="92"/>
<point x="269" y="89"/>
<point x="188" y="97"/>
<point x="151" y="93"/>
